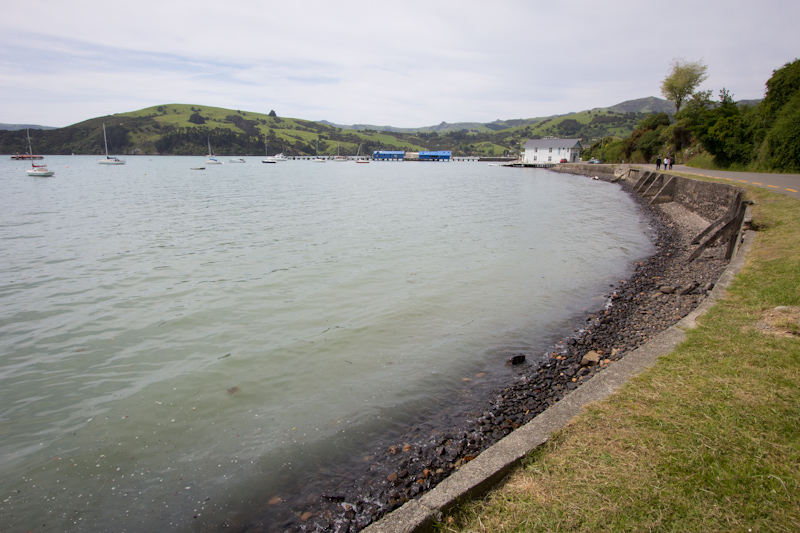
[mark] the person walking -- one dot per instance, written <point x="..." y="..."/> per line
<point x="658" y="164"/>
<point x="671" y="160"/>
<point x="666" y="162"/>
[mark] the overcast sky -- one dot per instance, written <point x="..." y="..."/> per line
<point x="407" y="63"/>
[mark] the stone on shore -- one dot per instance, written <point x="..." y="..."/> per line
<point x="592" y="358"/>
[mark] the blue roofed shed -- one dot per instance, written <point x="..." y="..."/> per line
<point x="387" y="154"/>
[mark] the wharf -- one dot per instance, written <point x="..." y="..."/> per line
<point x="531" y="165"/>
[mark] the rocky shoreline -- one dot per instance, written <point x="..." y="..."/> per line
<point x="662" y="289"/>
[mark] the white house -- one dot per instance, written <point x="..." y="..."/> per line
<point x="551" y="150"/>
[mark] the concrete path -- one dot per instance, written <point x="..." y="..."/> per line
<point x="783" y="183"/>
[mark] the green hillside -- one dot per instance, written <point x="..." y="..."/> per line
<point x="183" y="129"/>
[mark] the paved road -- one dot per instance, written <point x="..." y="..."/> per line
<point x="783" y="183"/>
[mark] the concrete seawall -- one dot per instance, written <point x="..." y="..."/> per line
<point x="710" y="201"/>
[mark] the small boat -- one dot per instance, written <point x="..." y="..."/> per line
<point x="280" y="157"/>
<point x="212" y="159"/>
<point x="236" y="160"/>
<point x="358" y="154"/>
<point x="339" y="158"/>
<point x="39" y="171"/>
<point x="268" y="159"/>
<point x="109" y="160"/>
<point x="197" y="168"/>
<point x="318" y="159"/>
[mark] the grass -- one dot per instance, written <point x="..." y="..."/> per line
<point x="707" y="440"/>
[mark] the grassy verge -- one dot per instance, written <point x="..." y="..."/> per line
<point x="708" y="440"/>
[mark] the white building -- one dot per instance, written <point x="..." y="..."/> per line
<point x="551" y="151"/>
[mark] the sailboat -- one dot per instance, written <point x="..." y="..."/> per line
<point x="109" y="160"/>
<point x="318" y="159"/>
<point x="268" y="159"/>
<point x="358" y="154"/>
<point x="339" y="158"/>
<point x="37" y="170"/>
<point x="212" y="159"/>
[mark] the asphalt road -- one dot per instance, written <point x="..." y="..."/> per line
<point x="783" y="183"/>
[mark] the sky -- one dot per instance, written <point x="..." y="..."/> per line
<point x="405" y="64"/>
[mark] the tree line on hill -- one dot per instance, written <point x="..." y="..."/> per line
<point x="718" y="133"/>
<point x="240" y="133"/>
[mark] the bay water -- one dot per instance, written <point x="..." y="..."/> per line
<point x="176" y="344"/>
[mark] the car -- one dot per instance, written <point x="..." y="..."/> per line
<point x="594" y="161"/>
<point x="563" y="161"/>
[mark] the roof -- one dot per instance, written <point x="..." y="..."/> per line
<point x="553" y="143"/>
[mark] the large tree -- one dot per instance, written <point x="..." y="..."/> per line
<point x="682" y="80"/>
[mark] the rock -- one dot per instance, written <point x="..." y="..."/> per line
<point x="688" y="289"/>
<point x="590" y="359"/>
<point x="516" y="359"/>
<point x="666" y="289"/>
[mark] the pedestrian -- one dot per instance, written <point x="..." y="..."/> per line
<point x="671" y="160"/>
<point x="666" y="162"/>
<point x="658" y="164"/>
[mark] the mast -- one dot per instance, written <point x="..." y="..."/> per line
<point x="105" y="141"/>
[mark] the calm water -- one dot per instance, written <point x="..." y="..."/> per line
<point x="174" y="342"/>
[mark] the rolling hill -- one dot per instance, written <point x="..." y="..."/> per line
<point x="184" y="129"/>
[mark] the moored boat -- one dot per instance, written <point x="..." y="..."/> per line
<point x="39" y="171"/>
<point x="109" y="160"/>
<point x="211" y="158"/>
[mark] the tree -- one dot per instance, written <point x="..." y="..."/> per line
<point x="654" y="121"/>
<point x="272" y="113"/>
<point x="682" y="81"/>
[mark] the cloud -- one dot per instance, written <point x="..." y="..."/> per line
<point x="412" y="64"/>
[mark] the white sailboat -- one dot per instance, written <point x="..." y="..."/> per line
<point x="212" y="159"/>
<point x="339" y="158"/>
<point x="39" y="171"/>
<point x="109" y="160"/>
<point x="318" y="159"/>
<point x="358" y="154"/>
<point x="267" y="159"/>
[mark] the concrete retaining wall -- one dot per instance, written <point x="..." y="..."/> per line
<point x="708" y="199"/>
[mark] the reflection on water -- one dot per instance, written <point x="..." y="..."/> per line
<point x="172" y="342"/>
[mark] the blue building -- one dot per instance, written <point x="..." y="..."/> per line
<point x="441" y="155"/>
<point x="387" y="154"/>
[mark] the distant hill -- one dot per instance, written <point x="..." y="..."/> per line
<point x="184" y="129"/>
<point x="17" y="127"/>
<point x="651" y="104"/>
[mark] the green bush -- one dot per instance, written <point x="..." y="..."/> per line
<point x="783" y="139"/>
